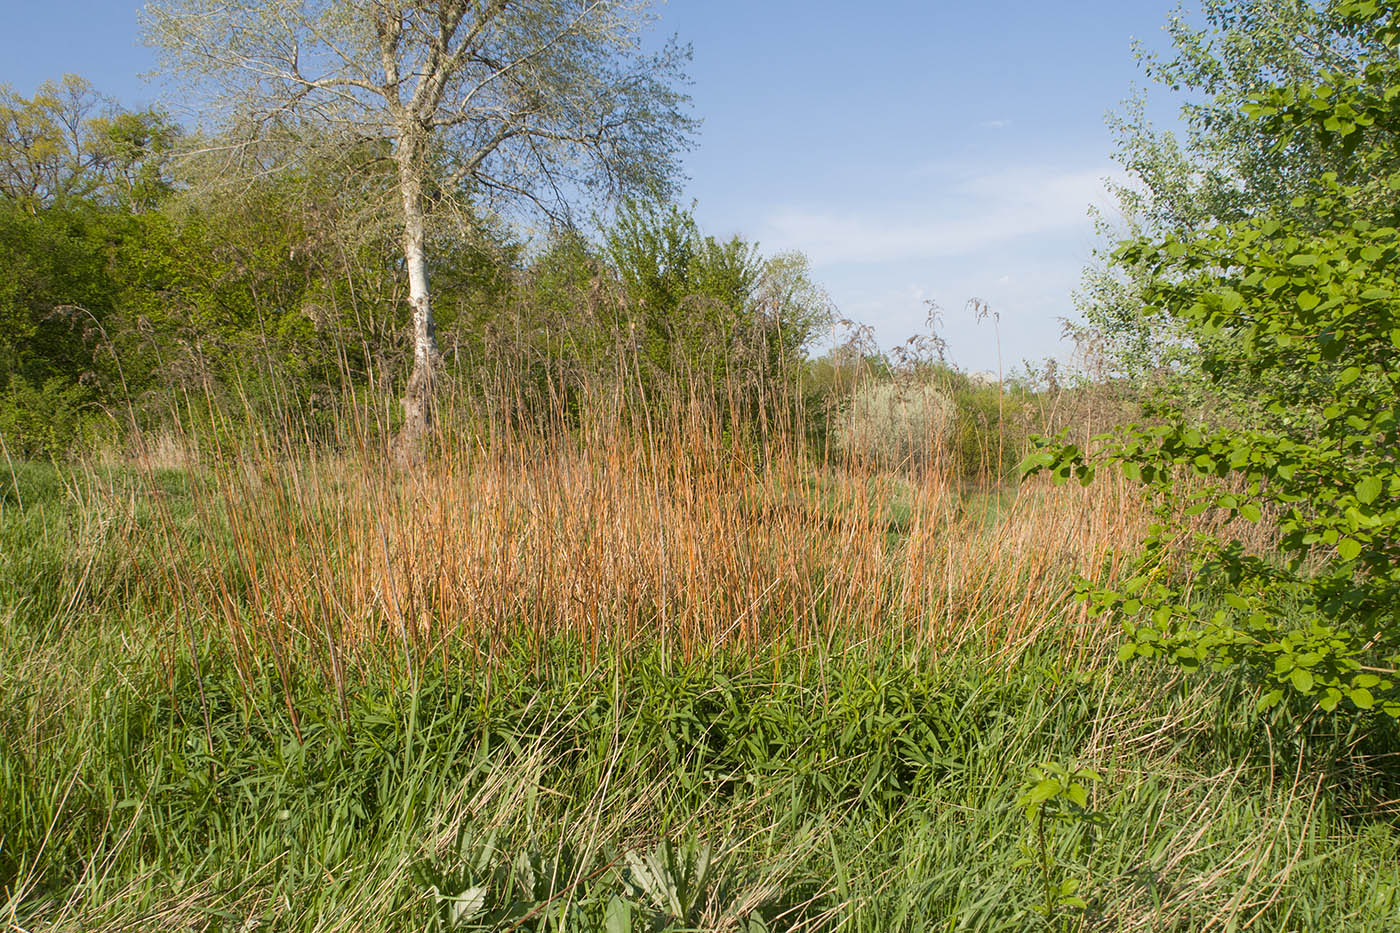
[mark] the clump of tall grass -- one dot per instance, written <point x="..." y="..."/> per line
<point x="667" y="527"/>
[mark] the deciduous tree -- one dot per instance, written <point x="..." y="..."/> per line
<point x="521" y="102"/>
<point x="1307" y="300"/>
<point x="1218" y="166"/>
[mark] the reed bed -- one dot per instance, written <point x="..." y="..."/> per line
<point x="619" y="539"/>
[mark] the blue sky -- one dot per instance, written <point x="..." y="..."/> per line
<point x="913" y="150"/>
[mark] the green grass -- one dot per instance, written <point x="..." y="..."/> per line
<point x="144" y="785"/>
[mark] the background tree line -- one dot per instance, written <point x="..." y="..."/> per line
<point x="142" y="264"/>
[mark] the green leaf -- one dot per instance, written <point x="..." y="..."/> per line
<point x="618" y="916"/>
<point x="1036" y="461"/>
<point x="1361" y="698"/>
<point x="1348" y="549"/>
<point x="1368" y="489"/>
<point x="1251" y="512"/>
<point x="1302" y="680"/>
<point x="1043" y="791"/>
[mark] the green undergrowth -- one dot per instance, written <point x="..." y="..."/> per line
<point x="149" y="784"/>
<point x="859" y="790"/>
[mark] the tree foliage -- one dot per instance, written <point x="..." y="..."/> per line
<point x="1222" y="166"/>
<point x="68" y="144"/>
<point x="78" y="178"/>
<point x="271" y="276"/>
<point x="477" y="103"/>
<point x="717" y="307"/>
<point x="1307" y="300"/>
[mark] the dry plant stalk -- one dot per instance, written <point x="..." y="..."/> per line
<point x="618" y="538"/>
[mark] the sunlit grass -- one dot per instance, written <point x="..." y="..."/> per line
<point x="623" y="679"/>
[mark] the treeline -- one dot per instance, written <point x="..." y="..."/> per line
<point x="140" y="272"/>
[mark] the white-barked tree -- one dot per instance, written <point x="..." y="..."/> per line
<point x="534" y="103"/>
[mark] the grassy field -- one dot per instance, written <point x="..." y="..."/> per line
<point x="624" y="680"/>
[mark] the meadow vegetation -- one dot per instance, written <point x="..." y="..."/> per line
<point x="635" y="671"/>
<point x="675" y="621"/>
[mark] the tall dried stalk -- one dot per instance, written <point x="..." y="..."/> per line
<point x="617" y="536"/>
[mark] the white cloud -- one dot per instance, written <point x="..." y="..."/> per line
<point x="994" y="124"/>
<point x="969" y="214"/>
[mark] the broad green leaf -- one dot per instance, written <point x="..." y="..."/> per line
<point x="468" y="905"/>
<point x="618" y="916"/>
<point x="1043" y="791"/>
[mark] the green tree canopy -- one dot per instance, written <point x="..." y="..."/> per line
<point x="1303" y="302"/>
<point x="1223" y="166"/>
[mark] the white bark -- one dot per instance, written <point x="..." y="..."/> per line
<point x="419" y="395"/>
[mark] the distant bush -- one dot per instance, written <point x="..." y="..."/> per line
<point x="48" y="420"/>
<point x="896" y="424"/>
<point x="930" y="415"/>
<point x="992" y="424"/>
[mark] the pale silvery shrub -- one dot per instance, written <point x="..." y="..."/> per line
<point x="896" y="423"/>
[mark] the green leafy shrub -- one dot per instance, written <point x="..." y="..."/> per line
<point x="48" y="420"/>
<point x="1310" y="312"/>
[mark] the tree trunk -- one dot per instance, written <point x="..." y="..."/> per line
<point x="420" y="394"/>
